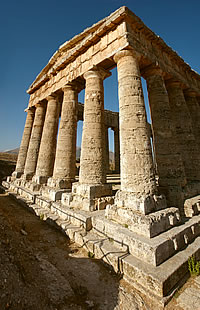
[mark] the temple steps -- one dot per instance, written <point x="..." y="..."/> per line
<point x="103" y="240"/>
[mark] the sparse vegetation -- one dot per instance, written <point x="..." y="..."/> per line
<point x="193" y="266"/>
<point x="90" y="254"/>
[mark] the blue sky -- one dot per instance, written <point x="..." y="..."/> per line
<point x="31" y="31"/>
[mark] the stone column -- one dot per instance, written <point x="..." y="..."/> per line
<point x="47" y="150"/>
<point x="183" y="131"/>
<point x="138" y="184"/>
<point x="24" y="144"/>
<point x="92" y="169"/>
<point x="194" y="109"/>
<point x="117" y="150"/>
<point x="92" y="178"/>
<point x="34" y="144"/>
<point x="65" y="161"/>
<point x="169" y="165"/>
<point x="107" y="157"/>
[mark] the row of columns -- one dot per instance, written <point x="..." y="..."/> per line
<point x="175" y="134"/>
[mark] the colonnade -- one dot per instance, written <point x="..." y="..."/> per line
<point x="45" y="158"/>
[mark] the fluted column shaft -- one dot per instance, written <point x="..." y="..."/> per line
<point x="107" y="157"/>
<point x="65" y="161"/>
<point x="34" y="144"/>
<point x="92" y="162"/>
<point x="169" y="164"/>
<point x="48" y="142"/>
<point x="183" y="131"/>
<point x="117" y="150"/>
<point x="24" y="143"/>
<point x="137" y="174"/>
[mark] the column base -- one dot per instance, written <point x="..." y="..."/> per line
<point x="88" y="197"/>
<point x="60" y="183"/>
<point x="16" y="174"/>
<point x="53" y="194"/>
<point x="149" y="225"/>
<point x="27" y="176"/>
<point x="144" y="205"/>
<point x="40" y="179"/>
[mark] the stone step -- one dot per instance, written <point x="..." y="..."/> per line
<point x="149" y="225"/>
<point x="27" y="193"/>
<point x="159" y="282"/>
<point x="192" y="206"/>
<point x="79" y="218"/>
<point x="152" y="250"/>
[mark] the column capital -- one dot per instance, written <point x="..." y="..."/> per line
<point x="125" y="53"/>
<point x="172" y="83"/>
<point x="52" y="97"/>
<point x="30" y="110"/>
<point x="96" y="72"/>
<point x="70" y="86"/>
<point x="151" y="70"/>
<point x="190" y="92"/>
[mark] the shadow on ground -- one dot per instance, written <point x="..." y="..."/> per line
<point x="40" y="268"/>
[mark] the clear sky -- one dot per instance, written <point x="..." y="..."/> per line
<point x="31" y="31"/>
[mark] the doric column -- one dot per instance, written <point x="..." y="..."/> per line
<point x="137" y="175"/>
<point x="92" y="168"/>
<point x="24" y="144"/>
<point x="107" y="158"/>
<point x="169" y="166"/>
<point x="117" y="150"/>
<point x="183" y="131"/>
<point x="65" y="161"/>
<point x="34" y="144"/>
<point x="194" y="109"/>
<point x="48" y="142"/>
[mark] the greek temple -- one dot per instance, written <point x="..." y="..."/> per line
<point x="148" y="226"/>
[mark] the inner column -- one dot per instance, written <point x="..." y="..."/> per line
<point x="117" y="150"/>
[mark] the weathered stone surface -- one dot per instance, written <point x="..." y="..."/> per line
<point x="192" y="206"/>
<point x="92" y="161"/>
<point x="65" y="161"/>
<point x="169" y="164"/>
<point x="34" y="144"/>
<point x="21" y="160"/>
<point x="47" y="150"/>
<point x="183" y="131"/>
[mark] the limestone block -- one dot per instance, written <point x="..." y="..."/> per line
<point x="53" y="194"/>
<point x="192" y="206"/>
<point x="42" y="202"/>
<point x="144" y="204"/>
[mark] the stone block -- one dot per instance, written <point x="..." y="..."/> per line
<point x="153" y="251"/>
<point x="43" y="202"/>
<point x="192" y="206"/>
<point x="52" y="193"/>
<point x="143" y="205"/>
<point x="149" y="225"/>
<point x="85" y="196"/>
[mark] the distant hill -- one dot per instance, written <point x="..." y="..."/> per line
<point x="78" y="153"/>
<point x="14" y="151"/>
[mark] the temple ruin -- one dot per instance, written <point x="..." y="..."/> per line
<point x="140" y="228"/>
